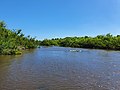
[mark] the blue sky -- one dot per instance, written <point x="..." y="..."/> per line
<point x="61" y="18"/>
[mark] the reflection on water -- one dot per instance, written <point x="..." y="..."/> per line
<point x="56" y="68"/>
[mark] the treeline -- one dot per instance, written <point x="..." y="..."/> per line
<point x="12" y="42"/>
<point x="107" y="41"/>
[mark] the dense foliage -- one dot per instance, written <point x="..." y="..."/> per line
<point x="107" y="41"/>
<point x="13" y="41"/>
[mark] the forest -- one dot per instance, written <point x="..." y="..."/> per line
<point x="13" y="42"/>
<point x="107" y="41"/>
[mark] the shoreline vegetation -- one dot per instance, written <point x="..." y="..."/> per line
<point x="13" y="42"/>
<point x="106" y="42"/>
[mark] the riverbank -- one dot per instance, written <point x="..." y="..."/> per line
<point x="12" y="42"/>
<point x="106" y="42"/>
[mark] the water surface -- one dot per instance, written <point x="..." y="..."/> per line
<point x="57" y="68"/>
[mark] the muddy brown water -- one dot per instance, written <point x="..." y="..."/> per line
<point x="59" y="68"/>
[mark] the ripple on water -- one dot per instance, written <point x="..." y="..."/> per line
<point x="56" y="68"/>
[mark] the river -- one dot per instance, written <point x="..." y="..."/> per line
<point x="60" y="68"/>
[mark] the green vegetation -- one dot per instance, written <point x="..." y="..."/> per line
<point x="12" y="42"/>
<point x="99" y="42"/>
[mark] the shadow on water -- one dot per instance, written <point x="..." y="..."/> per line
<point x="57" y="68"/>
